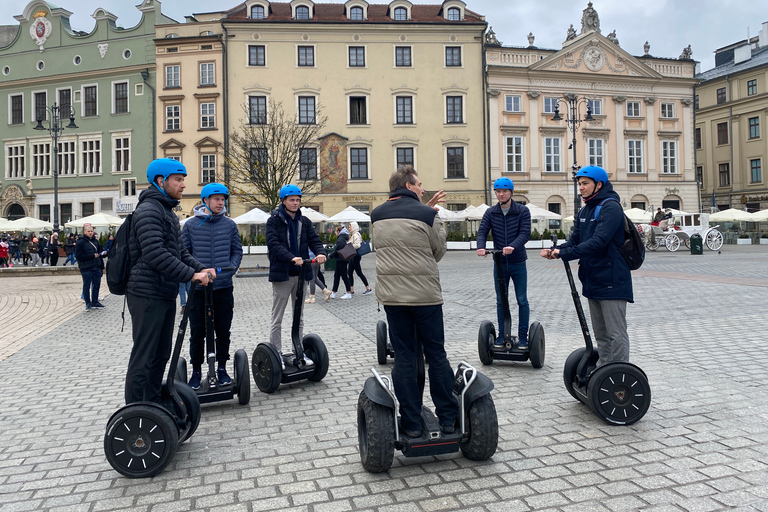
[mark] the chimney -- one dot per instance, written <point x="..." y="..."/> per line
<point x="742" y="53"/>
<point x="763" y="36"/>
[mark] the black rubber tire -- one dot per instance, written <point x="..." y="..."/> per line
<point x="485" y="339"/>
<point x="570" y="367"/>
<point x="536" y="342"/>
<point x="242" y="377"/>
<point x="192" y="404"/>
<point x="381" y="341"/>
<point x="266" y="368"/>
<point x="316" y="351"/>
<point x="619" y="393"/>
<point x="483" y="430"/>
<point x="181" y="370"/>
<point x="375" y="434"/>
<point x="141" y="441"/>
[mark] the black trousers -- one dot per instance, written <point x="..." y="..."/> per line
<point x="223" y="310"/>
<point x="354" y="266"/>
<point x="409" y="325"/>
<point x="153" y="323"/>
<point x="341" y="273"/>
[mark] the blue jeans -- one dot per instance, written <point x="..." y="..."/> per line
<point x="183" y="292"/>
<point x="91" y="285"/>
<point x="70" y="259"/>
<point x="519" y="275"/>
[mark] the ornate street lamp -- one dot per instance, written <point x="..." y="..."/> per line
<point x="55" y="126"/>
<point x="573" y="120"/>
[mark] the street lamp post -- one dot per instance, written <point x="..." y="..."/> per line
<point x="55" y="126"/>
<point x="573" y="120"/>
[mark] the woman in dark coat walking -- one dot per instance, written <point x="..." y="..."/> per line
<point x="53" y="249"/>
<point x="342" y="238"/>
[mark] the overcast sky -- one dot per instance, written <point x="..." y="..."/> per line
<point x="668" y="25"/>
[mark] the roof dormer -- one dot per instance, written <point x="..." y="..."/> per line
<point x="400" y="10"/>
<point x="453" y="10"/>
<point x="356" y="10"/>
<point x="257" y="9"/>
<point x="302" y="9"/>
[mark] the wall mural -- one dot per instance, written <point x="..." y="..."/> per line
<point x="333" y="163"/>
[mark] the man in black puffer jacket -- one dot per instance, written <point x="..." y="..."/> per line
<point x="160" y="263"/>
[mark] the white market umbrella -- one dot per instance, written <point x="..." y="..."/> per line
<point x="475" y="212"/>
<point x="537" y="212"/>
<point x="254" y="216"/>
<point x="313" y="215"/>
<point x="732" y="215"/>
<point x="447" y="215"/>
<point x="639" y="216"/>
<point x="184" y="221"/>
<point x="761" y="216"/>
<point x="28" y="224"/>
<point x="5" y="224"/>
<point x="349" y="214"/>
<point x="97" y="220"/>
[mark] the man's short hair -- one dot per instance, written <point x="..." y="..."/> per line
<point x="404" y="174"/>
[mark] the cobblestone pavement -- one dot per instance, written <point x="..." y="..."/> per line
<point x="698" y="330"/>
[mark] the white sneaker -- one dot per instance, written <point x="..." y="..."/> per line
<point x="368" y="291"/>
<point x="346" y="296"/>
<point x="333" y="295"/>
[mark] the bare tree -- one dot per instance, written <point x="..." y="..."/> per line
<point x="271" y="149"/>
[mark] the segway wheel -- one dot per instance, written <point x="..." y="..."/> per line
<point x="537" y="345"/>
<point x="572" y="365"/>
<point x="242" y="377"/>
<point x="141" y="440"/>
<point x="619" y="393"/>
<point x="316" y="351"/>
<point x="192" y="405"/>
<point x="266" y="368"/>
<point x="181" y="370"/>
<point x="483" y="430"/>
<point x="376" y="434"/>
<point x="485" y="339"/>
<point x="381" y="341"/>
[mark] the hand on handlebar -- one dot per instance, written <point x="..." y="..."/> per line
<point x="550" y="254"/>
<point x="201" y="278"/>
<point x="506" y="251"/>
<point x="481" y="252"/>
<point x="298" y="260"/>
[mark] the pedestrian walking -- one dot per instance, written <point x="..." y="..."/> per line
<point x="356" y="239"/>
<point x="4" y="248"/>
<point x="316" y="281"/>
<point x="90" y="261"/>
<point x="342" y="272"/>
<point x="42" y="250"/>
<point x="23" y="246"/>
<point x="15" y="251"/>
<point x="34" y="252"/>
<point x="69" y="249"/>
<point x="53" y="249"/>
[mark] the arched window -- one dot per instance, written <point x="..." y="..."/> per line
<point x="257" y="12"/>
<point x="302" y="12"/>
<point x="401" y="14"/>
<point x="454" y="14"/>
<point x="356" y="13"/>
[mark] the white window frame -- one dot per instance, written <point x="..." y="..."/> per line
<point x="206" y="168"/>
<point x="10" y="109"/>
<point x="361" y="5"/>
<point x="635" y="156"/>
<point x="266" y="62"/>
<point x="553" y="154"/>
<point x="633" y="112"/>
<point x="368" y="168"/>
<point x="20" y="166"/>
<point x="412" y="147"/>
<point x="298" y="110"/>
<point x="445" y="55"/>
<point x="516" y="156"/>
<point x="465" y="154"/>
<point x="167" y="117"/>
<point x="394" y="55"/>
<point x="453" y="4"/>
<point x="32" y="96"/>
<point x="394" y="6"/>
<point x="263" y="5"/>
<point x="84" y="161"/>
<point x="365" y="56"/>
<point x="314" y="56"/>
<point x="669" y="161"/>
<point x="211" y="114"/>
<point x="448" y="13"/>
<point x="515" y="100"/>
<point x="463" y="97"/>
<point x="351" y="95"/>
<point x="126" y="187"/>
<point x="317" y="163"/>
<point x="165" y="76"/>
<point x="66" y="170"/>
<point x="670" y="107"/>
<point x="266" y="107"/>
<point x="71" y="97"/>
<point x="83" y="103"/>
<point x="596" y="152"/>
<point x="114" y="97"/>
<point x="121" y="135"/>
<point x="200" y="73"/>
<point x="592" y="103"/>
<point x="295" y="8"/>
<point x="413" y="108"/>
<point x="550" y="102"/>
<point x="41" y="158"/>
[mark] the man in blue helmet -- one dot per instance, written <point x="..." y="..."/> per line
<point x="604" y="274"/>
<point x="212" y="238"/>
<point x="290" y="236"/>
<point x="510" y="226"/>
<point x="160" y="262"/>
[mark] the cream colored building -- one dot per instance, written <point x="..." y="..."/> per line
<point x="642" y="132"/>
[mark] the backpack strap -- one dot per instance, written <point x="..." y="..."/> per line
<point x="597" y="210"/>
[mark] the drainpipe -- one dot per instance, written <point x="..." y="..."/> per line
<point x="225" y="74"/>
<point x="487" y="126"/>
<point x="145" y="77"/>
<point x="695" y="166"/>
<point x="730" y="137"/>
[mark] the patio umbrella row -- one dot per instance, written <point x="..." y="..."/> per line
<point x="31" y="224"/>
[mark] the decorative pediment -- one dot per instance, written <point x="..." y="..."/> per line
<point x="207" y="142"/>
<point x="172" y="144"/>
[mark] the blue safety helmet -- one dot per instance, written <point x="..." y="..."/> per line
<point x="503" y="183"/>
<point x="214" y="188"/>
<point x="164" y="167"/>
<point x="594" y="172"/>
<point x="289" y="190"/>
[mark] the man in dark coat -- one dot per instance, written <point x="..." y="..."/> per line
<point x="160" y="262"/>
<point x="604" y="274"/>
<point x="90" y="261"/>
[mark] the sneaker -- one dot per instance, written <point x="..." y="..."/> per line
<point x="223" y="377"/>
<point x="366" y="292"/>
<point x="447" y="429"/>
<point x="310" y="300"/>
<point x="98" y="305"/>
<point x="346" y="296"/>
<point x="332" y="295"/>
<point x="327" y="294"/>
<point x="87" y="308"/>
<point x="194" y="380"/>
<point x="522" y="344"/>
<point x="413" y="434"/>
<point x="499" y="342"/>
<point x="183" y="308"/>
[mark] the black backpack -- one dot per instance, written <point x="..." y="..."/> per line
<point x="119" y="262"/>
<point x="633" y="248"/>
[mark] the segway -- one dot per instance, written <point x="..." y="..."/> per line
<point x="617" y="392"/>
<point x="378" y="425"/>
<point x="266" y="365"/>
<point x="211" y="390"/>
<point x="142" y="437"/>
<point x="509" y="351"/>
<point x="383" y="347"/>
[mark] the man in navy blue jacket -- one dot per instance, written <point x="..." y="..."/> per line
<point x="510" y="225"/>
<point x="212" y="238"/>
<point x="605" y="276"/>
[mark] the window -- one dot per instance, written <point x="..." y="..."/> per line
<point x="122" y="159"/>
<point x="259" y="161"/>
<point x="514" y="154"/>
<point x="403" y="56"/>
<point x="455" y="163"/>
<point x="357" y="112"/>
<point x="90" y="156"/>
<point x="669" y="157"/>
<point x="751" y="87"/>
<point x="595" y="147"/>
<point x="700" y="176"/>
<point x="404" y="109"/>
<point x="91" y="95"/>
<point x="41" y="159"/>
<point x="306" y="110"/>
<point x="172" y="118"/>
<point x="697" y="138"/>
<point x="121" y="98"/>
<point x="257" y="12"/>
<point x="66" y="158"/>
<point x="128" y="187"/>
<point x="17" y="109"/>
<point x="257" y="106"/>
<point x="357" y="56"/>
<point x="633" y="109"/>
<point x="721" y="95"/>
<point x="308" y="164"/>
<point x="550" y="104"/>
<point x="453" y="56"/>
<point x="358" y="163"/>
<point x="595" y="107"/>
<point x="754" y="127"/>
<point x="41" y="105"/>
<point x="724" y="175"/>
<point x="173" y="76"/>
<point x="86" y="209"/>
<point x="207" y="74"/>
<point x="552" y="154"/>
<point x="257" y="55"/>
<point x="401" y="14"/>
<point x="65" y="102"/>
<point x="208" y="168"/>
<point x="722" y="133"/>
<point x="356" y="13"/>
<point x="512" y="103"/>
<point x="302" y="12"/>
<point x="756" y="170"/>
<point x="668" y="110"/>
<point x="454" y="109"/>
<point x="454" y="14"/>
<point x="44" y="212"/>
<point x="404" y="157"/>
<point x="65" y="212"/>
<point x="307" y="56"/>
<point x="635" y="156"/>
<point x="207" y="115"/>
<point x="15" y="161"/>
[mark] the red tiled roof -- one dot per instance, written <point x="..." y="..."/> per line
<point x="377" y="13"/>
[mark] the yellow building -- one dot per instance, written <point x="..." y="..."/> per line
<point x="732" y="102"/>
<point x="641" y="130"/>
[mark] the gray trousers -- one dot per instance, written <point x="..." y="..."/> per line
<point x="609" y="325"/>
<point x="283" y="295"/>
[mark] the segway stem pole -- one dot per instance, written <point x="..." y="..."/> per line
<point x="297" y="314"/>
<point x="504" y="295"/>
<point x="210" y="341"/>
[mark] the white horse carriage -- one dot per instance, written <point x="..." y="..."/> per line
<point x="673" y="234"/>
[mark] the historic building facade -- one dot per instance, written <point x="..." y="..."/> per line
<point x="731" y="112"/>
<point x="641" y="130"/>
